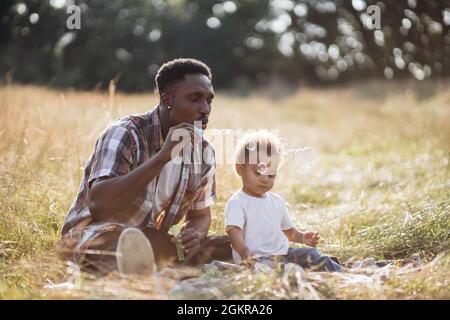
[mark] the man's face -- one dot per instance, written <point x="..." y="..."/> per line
<point x="191" y="99"/>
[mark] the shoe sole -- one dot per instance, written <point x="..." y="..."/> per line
<point x="135" y="253"/>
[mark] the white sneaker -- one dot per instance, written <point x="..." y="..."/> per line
<point x="134" y="253"/>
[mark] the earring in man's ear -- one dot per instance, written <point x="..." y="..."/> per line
<point x="169" y="107"/>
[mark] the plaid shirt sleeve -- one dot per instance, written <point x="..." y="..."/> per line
<point x="207" y="193"/>
<point x="112" y="154"/>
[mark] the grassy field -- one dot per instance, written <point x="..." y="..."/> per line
<point x="380" y="187"/>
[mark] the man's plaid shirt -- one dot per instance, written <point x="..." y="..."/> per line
<point x="123" y="146"/>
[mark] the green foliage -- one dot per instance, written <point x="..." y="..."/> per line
<point x="384" y="194"/>
<point x="250" y="43"/>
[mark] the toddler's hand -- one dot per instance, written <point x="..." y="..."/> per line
<point x="248" y="259"/>
<point x="248" y="262"/>
<point x="311" y="238"/>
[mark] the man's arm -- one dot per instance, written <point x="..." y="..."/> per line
<point x="112" y="197"/>
<point x="237" y="241"/>
<point x="196" y="229"/>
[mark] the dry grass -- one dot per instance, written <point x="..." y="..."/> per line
<point x="380" y="185"/>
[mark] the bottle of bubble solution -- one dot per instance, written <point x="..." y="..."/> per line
<point x="174" y="231"/>
<point x="196" y="153"/>
<point x="199" y="131"/>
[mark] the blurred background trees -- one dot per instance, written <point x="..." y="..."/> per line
<point x="247" y="43"/>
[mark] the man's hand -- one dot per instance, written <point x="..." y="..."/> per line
<point x="189" y="239"/>
<point x="173" y="143"/>
<point x="195" y="230"/>
<point x="311" y="238"/>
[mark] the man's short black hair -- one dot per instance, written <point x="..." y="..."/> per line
<point x="174" y="71"/>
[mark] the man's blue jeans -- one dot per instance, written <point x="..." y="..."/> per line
<point x="311" y="258"/>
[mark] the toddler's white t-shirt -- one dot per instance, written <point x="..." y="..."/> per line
<point x="262" y="221"/>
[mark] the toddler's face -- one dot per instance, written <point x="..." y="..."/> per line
<point x="257" y="179"/>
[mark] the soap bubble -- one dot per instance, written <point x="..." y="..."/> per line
<point x="262" y="168"/>
<point x="284" y="146"/>
<point x="251" y="146"/>
<point x="305" y="156"/>
<point x="309" y="154"/>
<point x="290" y="152"/>
<point x="227" y="131"/>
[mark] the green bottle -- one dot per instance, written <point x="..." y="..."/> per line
<point x="175" y="230"/>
